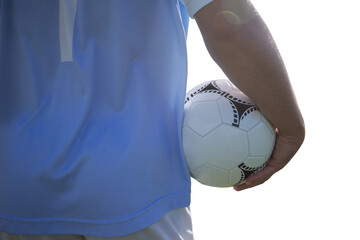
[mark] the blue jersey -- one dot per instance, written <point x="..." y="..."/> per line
<point x="91" y="104"/>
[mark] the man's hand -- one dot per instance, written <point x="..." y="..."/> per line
<point x="285" y="149"/>
<point x="241" y="44"/>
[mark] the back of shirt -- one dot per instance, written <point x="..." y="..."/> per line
<point x="91" y="103"/>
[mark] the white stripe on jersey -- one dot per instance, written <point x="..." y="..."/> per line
<point x="67" y="12"/>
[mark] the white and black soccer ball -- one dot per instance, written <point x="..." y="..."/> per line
<point x="225" y="136"/>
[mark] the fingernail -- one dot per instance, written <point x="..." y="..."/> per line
<point x="247" y="183"/>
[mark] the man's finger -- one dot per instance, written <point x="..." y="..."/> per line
<point x="261" y="176"/>
<point x="257" y="179"/>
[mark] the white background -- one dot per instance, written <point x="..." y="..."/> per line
<point x="316" y="196"/>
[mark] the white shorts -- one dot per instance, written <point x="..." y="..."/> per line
<point x="174" y="225"/>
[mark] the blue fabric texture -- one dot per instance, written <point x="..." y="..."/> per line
<point x="91" y="106"/>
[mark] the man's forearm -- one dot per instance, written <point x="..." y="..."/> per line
<point x="249" y="57"/>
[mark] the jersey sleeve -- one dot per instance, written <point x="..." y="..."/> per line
<point x="193" y="6"/>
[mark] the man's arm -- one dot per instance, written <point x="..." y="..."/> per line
<point x="241" y="44"/>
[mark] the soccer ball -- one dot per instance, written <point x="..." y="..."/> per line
<point x="225" y="136"/>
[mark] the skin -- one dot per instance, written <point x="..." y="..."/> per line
<point x="240" y="43"/>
